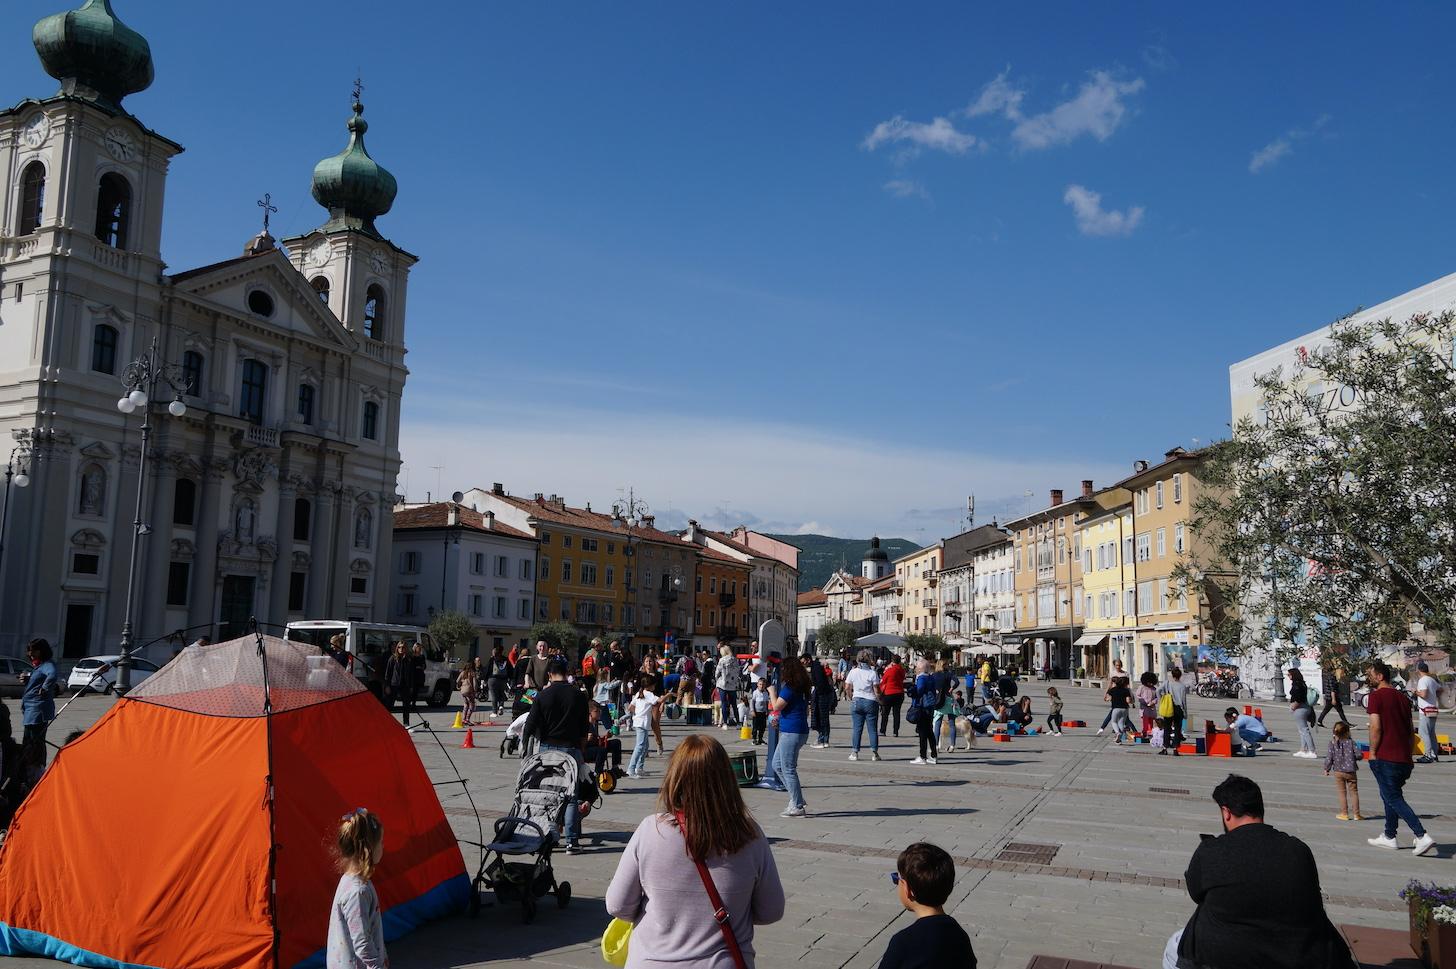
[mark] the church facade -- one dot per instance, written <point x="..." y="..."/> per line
<point x="270" y="497"/>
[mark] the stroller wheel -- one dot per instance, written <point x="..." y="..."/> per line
<point x="528" y="909"/>
<point x="563" y="895"/>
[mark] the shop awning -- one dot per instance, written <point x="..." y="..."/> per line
<point x="1091" y="639"/>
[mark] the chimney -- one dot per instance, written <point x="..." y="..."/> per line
<point x="588" y="506"/>
<point x="559" y="502"/>
<point x="1086" y="488"/>
<point x="1173" y="452"/>
<point x="1056" y="497"/>
<point x="648" y="520"/>
<point x="489" y="519"/>
<point x="498" y="489"/>
<point x="453" y="518"/>
<point x="537" y="498"/>
<point x="692" y="532"/>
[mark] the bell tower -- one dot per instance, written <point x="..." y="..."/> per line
<point x="362" y="276"/>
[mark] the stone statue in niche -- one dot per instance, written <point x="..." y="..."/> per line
<point x="362" y="527"/>
<point x="243" y="521"/>
<point x="93" y="490"/>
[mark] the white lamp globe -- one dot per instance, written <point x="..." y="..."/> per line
<point x="138" y="398"/>
<point x="176" y="408"/>
<point x="125" y="405"/>
<point x="22" y="480"/>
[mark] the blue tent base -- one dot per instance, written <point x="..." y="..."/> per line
<point x="446" y="898"/>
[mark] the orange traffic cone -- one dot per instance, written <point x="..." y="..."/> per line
<point x="469" y="739"/>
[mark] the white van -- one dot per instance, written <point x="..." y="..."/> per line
<point x="369" y="645"/>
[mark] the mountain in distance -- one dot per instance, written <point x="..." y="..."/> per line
<point x="821" y="555"/>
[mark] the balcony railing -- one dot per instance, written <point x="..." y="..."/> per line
<point x="256" y="435"/>
<point x="928" y="602"/>
<point x="726" y="599"/>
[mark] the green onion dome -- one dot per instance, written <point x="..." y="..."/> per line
<point x="91" y="48"/>
<point x="352" y="186"/>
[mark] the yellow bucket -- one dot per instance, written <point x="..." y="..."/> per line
<point x="614" y="942"/>
<point x="745" y="732"/>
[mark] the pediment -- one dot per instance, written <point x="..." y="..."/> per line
<point x="296" y="307"/>
<point x="99" y="451"/>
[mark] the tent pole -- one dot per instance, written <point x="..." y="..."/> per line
<point x="268" y="793"/>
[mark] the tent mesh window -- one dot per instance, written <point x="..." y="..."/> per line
<point x="226" y="679"/>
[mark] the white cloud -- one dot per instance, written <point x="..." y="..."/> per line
<point x="1094" y="220"/>
<point x="938" y="135"/>
<point x="794" y="478"/>
<point x="1283" y="145"/>
<point x="999" y="96"/>
<point x="1097" y="110"/>
<point x="904" y="188"/>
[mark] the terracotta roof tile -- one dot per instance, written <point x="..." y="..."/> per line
<point x="813" y="597"/>
<point x="437" y="515"/>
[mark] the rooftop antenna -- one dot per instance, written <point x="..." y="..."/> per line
<point x="438" y="468"/>
<point x="970" y="512"/>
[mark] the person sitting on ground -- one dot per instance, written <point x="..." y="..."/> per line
<point x="600" y="745"/>
<point x="1019" y="713"/>
<point x="1258" y="896"/>
<point x="1246" y="728"/>
<point x="924" y="875"/>
<point x="701" y="819"/>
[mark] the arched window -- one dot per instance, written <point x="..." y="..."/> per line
<point x="255" y="388"/>
<point x="302" y="519"/>
<point x="321" y="286"/>
<point x="103" y="349"/>
<point x="32" y="197"/>
<point x="92" y="500"/>
<point x="192" y="373"/>
<point x="371" y="420"/>
<point x="184" y="502"/>
<point x="113" y="210"/>
<point x="374" y="313"/>
<point x="305" y="403"/>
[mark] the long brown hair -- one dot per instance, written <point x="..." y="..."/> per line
<point x="795" y="676"/>
<point x="701" y="787"/>
<point x="359" y="831"/>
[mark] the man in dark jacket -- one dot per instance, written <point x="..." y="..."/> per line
<point x="558" y="719"/>
<point x="1258" y="896"/>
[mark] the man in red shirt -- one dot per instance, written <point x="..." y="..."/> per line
<point x="1390" y="757"/>
<point x="892" y="693"/>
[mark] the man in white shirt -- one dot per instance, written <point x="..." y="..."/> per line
<point x="863" y="683"/>
<point x="1428" y="708"/>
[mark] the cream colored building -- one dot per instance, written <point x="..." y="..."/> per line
<point x="918" y="574"/>
<point x="1108" y="589"/>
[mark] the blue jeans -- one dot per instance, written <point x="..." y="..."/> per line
<point x="729" y="699"/>
<point x="786" y="768"/>
<point x="1249" y="737"/>
<point x="862" y="712"/>
<point x="1390" y="777"/>
<point x="573" y="807"/>
<point x="771" y="738"/>
<point x="949" y="719"/>
<point x="639" y="752"/>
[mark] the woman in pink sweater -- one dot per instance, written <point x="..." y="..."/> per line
<point x="658" y="887"/>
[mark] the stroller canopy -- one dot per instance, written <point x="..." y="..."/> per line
<point x="149" y="841"/>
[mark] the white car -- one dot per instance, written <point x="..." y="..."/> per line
<point x="98" y="673"/>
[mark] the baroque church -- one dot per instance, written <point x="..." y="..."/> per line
<point x="270" y="496"/>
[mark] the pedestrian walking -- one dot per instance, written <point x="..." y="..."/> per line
<point x="863" y="685"/>
<point x="924" y="876"/>
<point x="701" y="816"/>
<point x="655" y="669"/>
<point x="1390" y="758"/>
<point x="1303" y="709"/>
<point x="792" y="706"/>
<point x="1147" y="700"/>
<point x="1334" y="688"/>
<point x="1116" y="674"/>
<point x="892" y="694"/>
<point x="643" y="702"/>
<point x="1172" y="708"/>
<point x="1342" y="758"/>
<point x="1119" y="698"/>
<point x="558" y="721"/>
<point x="823" y="701"/>
<point x="925" y="700"/>
<point x="949" y="709"/>
<point x="498" y="674"/>
<point x="416" y="678"/>
<point x="1054" y="717"/>
<point x="356" y="926"/>
<point x="728" y="679"/>
<point x="37" y="701"/>
<point x="985" y="675"/>
<point x="396" y="679"/>
<point x="1428" y="708"/>
<point x="535" y="667"/>
<point x="468" y="682"/>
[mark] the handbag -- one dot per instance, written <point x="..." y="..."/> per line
<point x="614" y="942"/>
<point x="720" y="914"/>
<point x="913" y="713"/>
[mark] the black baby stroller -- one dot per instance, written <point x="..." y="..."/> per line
<point x="531" y="831"/>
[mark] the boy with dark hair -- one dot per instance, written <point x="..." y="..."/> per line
<point x="925" y="875"/>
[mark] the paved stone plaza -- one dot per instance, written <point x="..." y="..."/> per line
<point x="1121" y="821"/>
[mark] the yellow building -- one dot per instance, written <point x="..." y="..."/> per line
<point x="918" y="576"/>
<point x="1048" y="580"/>
<point x="1108" y="588"/>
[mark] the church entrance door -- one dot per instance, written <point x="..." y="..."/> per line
<point x="237" y="606"/>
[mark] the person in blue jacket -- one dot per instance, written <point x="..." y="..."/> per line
<point x="38" y="699"/>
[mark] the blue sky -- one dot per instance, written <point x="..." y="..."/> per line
<point x="826" y="267"/>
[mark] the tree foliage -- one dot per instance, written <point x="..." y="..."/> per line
<point x="1331" y="517"/>
<point x="452" y="630"/>
<point x="835" y="637"/>
<point x="557" y="634"/>
<point x="929" y="645"/>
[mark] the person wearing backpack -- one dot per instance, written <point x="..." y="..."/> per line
<point x="1303" y="708"/>
<point x="1172" y="704"/>
<point x="590" y="660"/>
<point x="925" y="700"/>
<point x="729" y="682"/>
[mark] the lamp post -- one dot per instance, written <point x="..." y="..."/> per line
<point x="452" y="531"/>
<point x="140" y="380"/>
<point x="22" y="480"/>
<point x="629" y="513"/>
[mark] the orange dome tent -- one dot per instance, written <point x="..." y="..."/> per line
<point x="152" y="841"/>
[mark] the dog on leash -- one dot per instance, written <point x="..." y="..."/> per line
<point x="963" y="730"/>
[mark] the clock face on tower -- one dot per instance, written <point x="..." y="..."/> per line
<point x="36" y="131"/>
<point x="320" y="254"/>
<point x="121" y="144"/>
<point x="378" y="262"/>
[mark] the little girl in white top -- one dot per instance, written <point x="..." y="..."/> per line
<point x="356" y="929"/>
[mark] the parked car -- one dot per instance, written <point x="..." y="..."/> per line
<point x="368" y="645"/>
<point x="98" y="673"/>
<point x="10" y="670"/>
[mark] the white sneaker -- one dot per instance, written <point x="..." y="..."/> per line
<point x="874" y="755"/>
<point x="932" y="761"/>
<point x="1383" y="842"/>
<point x="1101" y="730"/>
<point x="854" y="756"/>
<point x="918" y="760"/>
<point x="1424" y="844"/>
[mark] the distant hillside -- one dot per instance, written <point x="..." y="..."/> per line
<point x="822" y="555"/>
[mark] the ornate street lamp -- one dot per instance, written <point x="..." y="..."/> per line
<point x="140" y="380"/>
<point x="629" y="513"/>
<point x="22" y="480"/>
